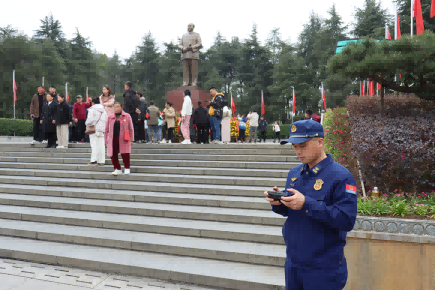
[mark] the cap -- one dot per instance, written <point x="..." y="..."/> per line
<point x="79" y="96"/>
<point x="304" y="130"/>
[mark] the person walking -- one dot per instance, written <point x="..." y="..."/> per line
<point x="200" y="119"/>
<point x="48" y="121"/>
<point x="215" y="113"/>
<point x="262" y="126"/>
<point x="277" y="130"/>
<point x="169" y="119"/>
<point x="226" y="125"/>
<point x="253" y="122"/>
<point x="38" y="100"/>
<point x="96" y="125"/>
<point x="118" y="137"/>
<point x="79" y="114"/>
<point x="186" y="113"/>
<point x="141" y="119"/>
<point x="131" y="106"/>
<point x="62" y="120"/>
<point x="320" y="212"/>
<point x="153" y="123"/>
<point x="107" y="100"/>
<point x="242" y="128"/>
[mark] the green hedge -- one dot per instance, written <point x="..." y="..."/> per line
<point x="18" y="126"/>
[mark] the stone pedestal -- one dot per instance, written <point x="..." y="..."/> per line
<point x="176" y="96"/>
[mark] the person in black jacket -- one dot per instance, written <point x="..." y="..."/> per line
<point x="262" y="125"/>
<point x="131" y="106"/>
<point x="141" y="120"/>
<point x="200" y="119"/>
<point x="62" y="120"/>
<point x="49" y="110"/>
<point x="207" y="128"/>
<point x="215" y="113"/>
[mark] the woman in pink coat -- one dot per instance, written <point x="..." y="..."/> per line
<point x="119" y="127"/>
<point x="107" y="99"/>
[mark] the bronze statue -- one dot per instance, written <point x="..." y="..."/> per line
<point x="190" y="43"/>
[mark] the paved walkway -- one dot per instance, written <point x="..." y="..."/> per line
<point x="19" y="275"/>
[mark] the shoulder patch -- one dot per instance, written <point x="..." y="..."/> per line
<point x="351" y="189"/>
<point x="294" y="178"/>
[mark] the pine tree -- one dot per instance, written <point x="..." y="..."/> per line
<point x="52" y="29"/>
<point x="370" y="20"/>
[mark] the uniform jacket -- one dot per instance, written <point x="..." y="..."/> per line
<point x="187" y="107"/>
<point x="194" y="40"/>
<point x="97" y="117"/>
<point x="253" y="119"/>
<point x="34" y="104"/>
<point x="316" y="234"/>
<point x="108" y="103"/>
<point x="48" y="115"/>
<point x="126" y="125"/>
<point x="154" y="115"/>
<point x="216" y="106"/>
<point x="63" y="115"/>
<point x="131" y="101"/>
<point x="262" y="125"/>
<point x="170" y="117"/>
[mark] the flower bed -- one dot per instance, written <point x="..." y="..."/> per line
<point x="399" y="204"/>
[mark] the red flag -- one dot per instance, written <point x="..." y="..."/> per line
<point x="15" y="92"/>
<point x="323" y="96"/>
<point x="263" y="109"/>
<point x="294" y="102"/>
<point x="432" y="9"/>
<point x="398" y="26"/>
<point x="361" y="90"/>
<point x="388" y="34"/>
<point x="419" y="16"/>
<point x="67" y="97"/>
<point x="233" y="106"/>
<point x="87" y="96"/>
<point x="373" y="88"/>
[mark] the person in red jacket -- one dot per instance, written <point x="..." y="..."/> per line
<point x="79" y="114"/>
<point x="309" y="115"/>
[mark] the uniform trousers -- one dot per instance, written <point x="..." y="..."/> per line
<point x="114" y="158"/>
<point x="98" y="150"/>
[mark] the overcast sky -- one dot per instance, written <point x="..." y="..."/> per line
<point x="120" y="25"/>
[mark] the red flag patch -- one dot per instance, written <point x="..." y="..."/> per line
<point x="351" y="189"/>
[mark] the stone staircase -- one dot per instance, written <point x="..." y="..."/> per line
<point x="187" y="213"/>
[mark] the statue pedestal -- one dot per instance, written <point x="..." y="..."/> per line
<point x="177" y="98"/>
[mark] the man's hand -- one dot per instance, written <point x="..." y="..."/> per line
<point x="295" y="202"/>
<point x="32" y="116"/>
<point x="54" y="121"/>
<point x="70" y="124"/>
<point x="137" y="111"/>
<point x="40" y="122"/>
<point x="75" y="120"/>
<point x="139" y="119"/>
<point x="271" y="200"/>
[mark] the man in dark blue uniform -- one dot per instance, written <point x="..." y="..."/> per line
<point x="320" y="212"/>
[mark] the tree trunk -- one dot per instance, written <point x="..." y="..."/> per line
<point x="382" y="100"/>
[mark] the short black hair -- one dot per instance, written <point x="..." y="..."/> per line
<point x="212" y="87"/>
<point x="52" y="87"/>
<point x="140" y="94"/>
<point x="96" y="100"/>
<point x="62" y="96"/>
<point x="199" y="102"/>
<point x="151" y="103"/>
<point x="309" y="111"/>
<point x="170" y="104"/>
<point x="187" y="92"/>
<point x="129" y="84"/>
<point x="41" y="86"/>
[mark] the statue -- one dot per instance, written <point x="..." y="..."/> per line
<point x="190" y="43"/>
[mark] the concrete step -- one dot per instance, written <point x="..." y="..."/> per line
<point x="198" y="171"/>
<point x="237" y="202"/>
<point x="110" y="183"/>
<point x="164" y="150"/>
<point x="59" y="153"/>
<point x="149" y="177"/>
<point x="172" y="226"/>
<point x="204" y="213"/>
<point x="209" y="272"/>
<point x="169" y="163"/>
<point x="235" y="251"/>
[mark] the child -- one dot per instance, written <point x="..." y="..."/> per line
<point x="276" y="130"/>
<point x="242" y="127"/>
<point x="262" y="125"/>
<point x="63" y="118"/>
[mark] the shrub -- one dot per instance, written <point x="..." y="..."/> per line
<point x="335" y="132"/>
<point x="395" y="150"/>
<point x="19" y="126"/>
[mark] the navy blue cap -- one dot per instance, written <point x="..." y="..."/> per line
<point x="304" y="130"/>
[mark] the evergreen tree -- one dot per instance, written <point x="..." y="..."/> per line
<point x="52" y="29"/>
<point x="370" y="20"/>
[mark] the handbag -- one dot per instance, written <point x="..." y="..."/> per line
<point x="90" y="130"/>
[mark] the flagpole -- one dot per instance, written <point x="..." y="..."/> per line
<point x="43" y="83"/>
<point x="261" y="102"/>
<point x="293" y="102"/>
<point x="395" y="22"/>
<point x="13" y="91"/>
<point x="412" y="18"/>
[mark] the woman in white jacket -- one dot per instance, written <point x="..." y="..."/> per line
<point x="186" y="113"/>
<point x="97" y="117"/>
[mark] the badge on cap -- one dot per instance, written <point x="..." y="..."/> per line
<point x="293" y="128"/>
<point x="318" y="185"/>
